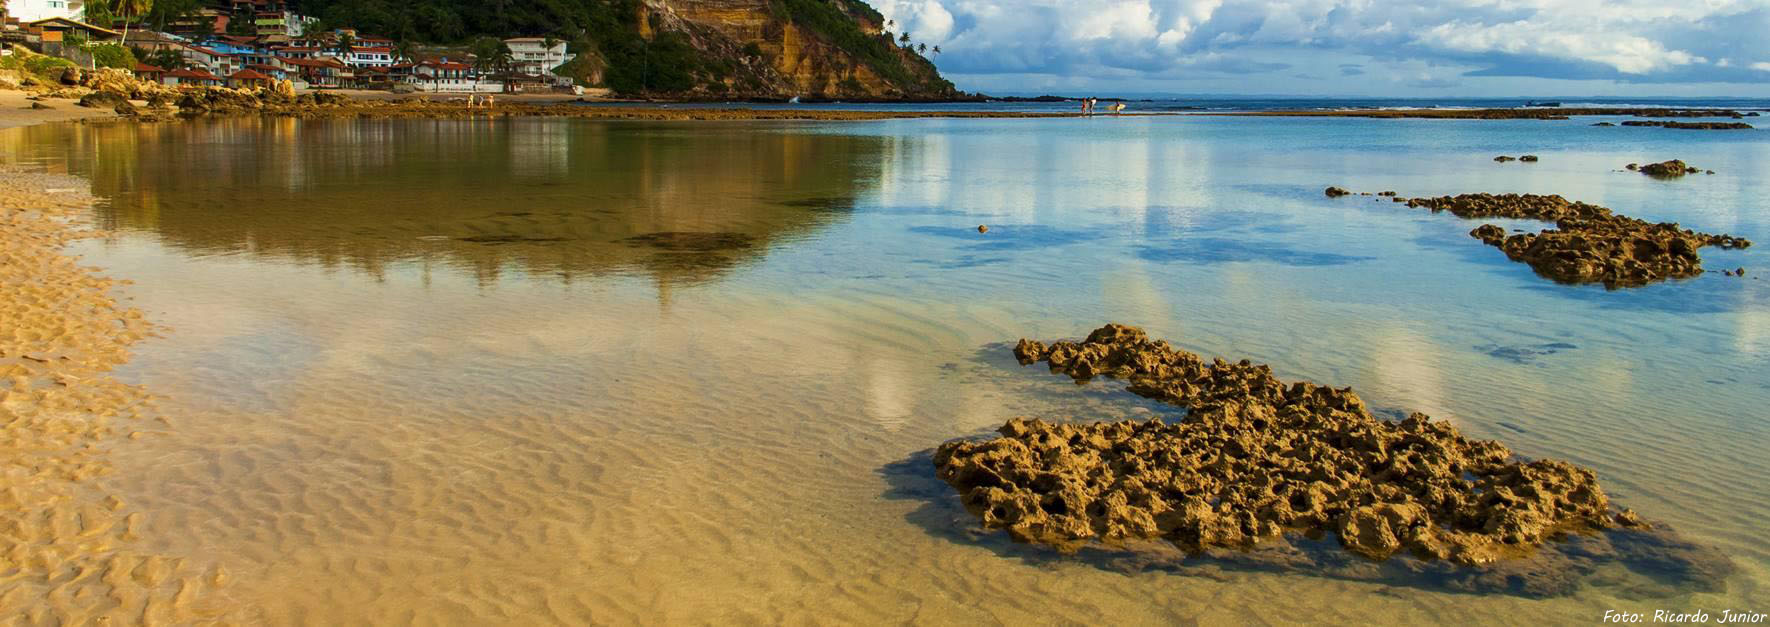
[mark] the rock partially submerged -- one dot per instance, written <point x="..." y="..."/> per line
<point x="1667" y="169"/>
<point x="1335" y="192"/>
<point x="1256" y="459"/>
<point x="1589" y="243"/>
<point x="1698" y="126"/>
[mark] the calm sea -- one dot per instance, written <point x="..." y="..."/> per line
<point x="528" y="371"/>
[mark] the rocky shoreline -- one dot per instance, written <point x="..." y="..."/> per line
<point x="1256" y="459"/>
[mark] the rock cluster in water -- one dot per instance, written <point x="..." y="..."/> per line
<point x="1697" y="126"/>
<point x="1589" y="243"/>
<point x="1256" y="458"/>
<point x="1666" y="169"/>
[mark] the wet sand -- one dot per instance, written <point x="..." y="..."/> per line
<point x="16" y="111"/>
<point x="69" y="544"/>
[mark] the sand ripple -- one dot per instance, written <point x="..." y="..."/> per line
<point x="66" y="547"/>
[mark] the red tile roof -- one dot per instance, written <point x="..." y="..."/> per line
<point x="249" y="75"/>
<point x="143" y="67"/>
<point x="203" y="74"/>
<point x="446" y="65"/>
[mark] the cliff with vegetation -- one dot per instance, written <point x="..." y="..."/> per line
<point x="682" y="48"/>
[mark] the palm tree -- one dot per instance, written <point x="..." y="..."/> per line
<point x="905" y="38"/>
<point x="491" y="54"/>
<point x="548" y="41"/>
<point x="403" y="49"/>
<point x="125" y="8"/>
<point x="922" y="48"/>
<point x="937" y="51"/>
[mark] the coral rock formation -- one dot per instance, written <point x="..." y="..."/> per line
<point x="1590" y="244"/>
<point x="1256" y="458"/>
<point x="1697" y="126"/>
<point x="1668" y="169"/>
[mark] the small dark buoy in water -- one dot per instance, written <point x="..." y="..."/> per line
<point x="982" y="228"/>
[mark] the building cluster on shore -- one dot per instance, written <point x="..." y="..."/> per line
<point x="205" y="49"/>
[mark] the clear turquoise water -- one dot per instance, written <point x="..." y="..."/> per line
<point x="425" y="370"/>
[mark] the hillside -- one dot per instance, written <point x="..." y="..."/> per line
<point x="680" y="48"/>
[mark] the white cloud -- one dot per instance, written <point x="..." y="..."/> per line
<point x="1630" y="54"/>
<point x="1630" y="40"/>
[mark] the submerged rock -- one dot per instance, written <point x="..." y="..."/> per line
<point x="1503" y="159"/>
<point x="103" y="100"/>
<point x="1528" y="158"/>
<point x="1255" y="459"/>
<point x="1335" y="192"/>
<point x="1589" y="243"/>
<point x="1699" y="126"/>
<point x="1604" y="124"/>
<point x="1668" y="169"/>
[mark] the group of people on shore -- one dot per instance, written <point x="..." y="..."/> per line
<point x="1091" y="105"/>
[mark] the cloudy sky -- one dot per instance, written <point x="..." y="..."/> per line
<point x="1427" y="48"/>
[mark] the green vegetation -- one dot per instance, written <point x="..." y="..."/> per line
<point x="45" y="68"/>
<point x="163" y="59"/>
<point x="826" y="18"/>
<point x="668" y="62"/>
<point x="111" y="55"/>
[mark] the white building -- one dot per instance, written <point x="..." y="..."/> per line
<point x="534" y="57"/>
<point x="32" y="10"/>
<point x="368" y="57"/>
<point x="443" y="75"/>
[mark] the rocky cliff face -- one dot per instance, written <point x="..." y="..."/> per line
<point x="791" y="48"/>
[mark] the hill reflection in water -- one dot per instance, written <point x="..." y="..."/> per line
<point x="558" y="198"/>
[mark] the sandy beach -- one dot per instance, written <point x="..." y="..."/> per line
<point x="63" y="329"/>
<point x="16" y="110"/>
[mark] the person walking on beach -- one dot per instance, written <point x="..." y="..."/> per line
<point x="1118" y="107"/>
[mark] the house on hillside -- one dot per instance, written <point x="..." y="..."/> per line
<point x="151" y="73"/>
<point x="324" y="73"/>
<point x="26" y="11"/>
<point x="151" y="41"/>
<point x="58" y="29"/>
<point x="278" y="72"/>
<point x="368" y="57"/>
<point x="296" y="52"/>
<point x="249" y="79"/>
<point x="534" y="57"/>
<point x="211" y="60"/>
<point x="192" y="78"/>
<point x="443" y="75"/>
<point x="202" y="23"/>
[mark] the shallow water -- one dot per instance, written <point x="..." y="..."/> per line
<point x="559" y="370"/>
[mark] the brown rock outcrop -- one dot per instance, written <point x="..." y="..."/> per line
<point x="1698" y="126"/>
<point x="1589" y="243"/>
<point x="1668" y="169"/>
<point x="1256" y="458"/>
